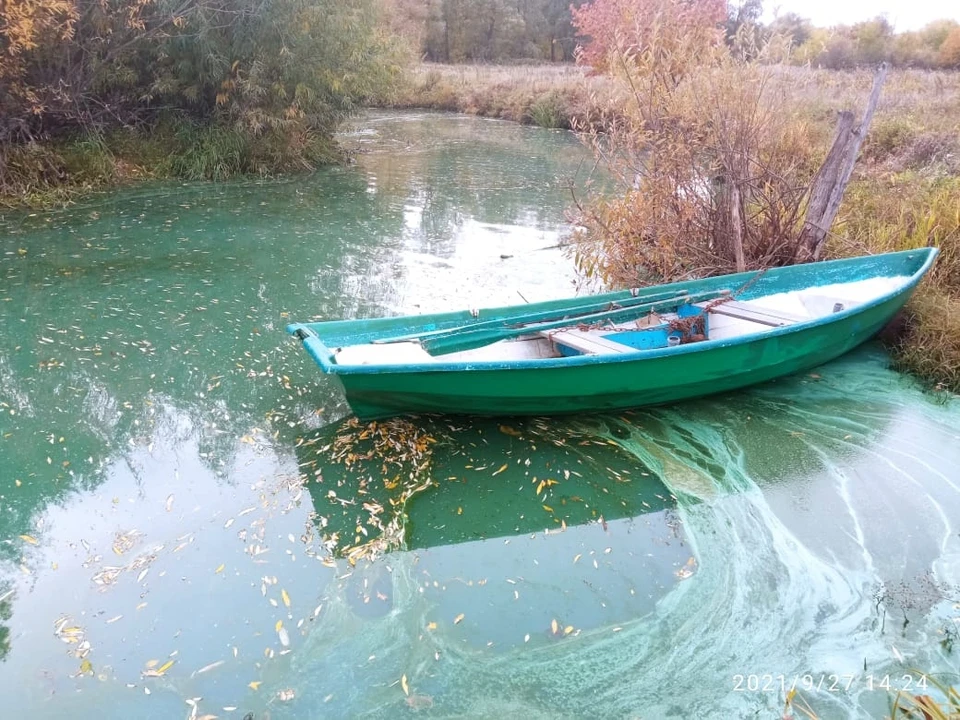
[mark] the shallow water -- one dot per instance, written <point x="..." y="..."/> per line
<point x="179" y="484"/>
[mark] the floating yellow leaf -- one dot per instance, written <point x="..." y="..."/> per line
<point x="507" y="430"/>
<point x="403" y="684"/>
<point x="219" y="568"/>
<point x="548" y="508"/>
<point x="152" y="664"/>
<point x="255" y="685"/>
<point x="166" y="666"/>
<point x="554" y="626"/>
<point x="285" y="597"/>
<point x="568" y="629"/>
<point x="86" y="667"/>
<point x="431" y="626"/>
<point x="501" y="469"/>
<point x="457" y="619"/>
<point x="30" y="539"/>
<point x="577" y="557"/>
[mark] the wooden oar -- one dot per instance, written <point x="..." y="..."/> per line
<point x="540" y="316"/>
<point x="474" y="338"/>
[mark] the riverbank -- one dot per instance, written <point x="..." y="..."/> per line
<point x="551" y="96"/>
<point x="43" y="175"/>
<point x="905" y="192"/>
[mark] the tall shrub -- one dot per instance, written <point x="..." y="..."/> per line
<point x="712" y="164"/>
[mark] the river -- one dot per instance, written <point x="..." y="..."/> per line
<point x="192" y="525"/>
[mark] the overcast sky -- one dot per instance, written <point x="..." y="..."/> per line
<point x="904" y="14"/>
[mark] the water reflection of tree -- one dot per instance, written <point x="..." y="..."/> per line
<point x="6" y="612"/>
<point x="458" y="168"/>
<point x="172" y="324"/>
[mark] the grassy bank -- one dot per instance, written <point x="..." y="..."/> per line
<point x="39" y="175"/>
<point x="551" y="96"/>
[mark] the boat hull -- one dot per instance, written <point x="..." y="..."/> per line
<point x="596" y="384"/>
<point x="615" y="385"/>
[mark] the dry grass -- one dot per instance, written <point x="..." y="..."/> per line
<point x="545" y="95"/>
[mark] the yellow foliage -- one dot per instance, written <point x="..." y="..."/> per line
<point x="949" y="54"/>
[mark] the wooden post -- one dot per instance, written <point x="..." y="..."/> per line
<point x="826" y="191"/>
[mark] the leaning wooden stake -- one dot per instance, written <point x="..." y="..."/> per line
<point x="831" y="180"/>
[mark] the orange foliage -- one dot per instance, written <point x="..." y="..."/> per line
<point x="949" y="55"/>
<point x="637" y="26"/>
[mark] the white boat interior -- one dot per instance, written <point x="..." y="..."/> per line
<point x="726" y="319"/>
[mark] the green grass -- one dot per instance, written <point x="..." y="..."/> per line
<point x="39" y="175"/>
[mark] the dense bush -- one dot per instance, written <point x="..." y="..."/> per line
<point x="234" y="71"/>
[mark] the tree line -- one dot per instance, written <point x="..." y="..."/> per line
<point x="456" y="31"/>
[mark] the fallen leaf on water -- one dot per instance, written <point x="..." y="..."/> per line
<point x="286" y="695"/>
<point x="403" y="684"/>
<point x="548" y="508"/>
<point x="285" y="597"/>
<point x="577" y="557"/>
<point x="500" y="470"/>
<point x="152" y="664"/>
<point x="554" y="626"/>
<point x="568" y="629"/>
<point x="143" y="574"/>
<point x="526" y="638"/>
<point x="219" y="569"/>
<point x="169" y="503"/>
<point x="114" y="619"/>
<point x="228" y="523"/>
<point x="458" y="618"/>
<point x="431" y="626"/>
<point x="166" y="666"/>
<point x="86" y="667"/>
<point x="507" y="430"/>
<point x="30" y="539"/>
<point x="255" y="685"/>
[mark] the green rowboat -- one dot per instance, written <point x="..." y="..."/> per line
<point x="616" y="350"/>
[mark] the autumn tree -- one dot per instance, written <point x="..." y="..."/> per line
<point x="711" y="163"/>
<point x="627" y="27"/>
<point x="256" y="85"/>
<point x="949" y="53"/>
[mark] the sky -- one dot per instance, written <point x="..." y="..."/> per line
<point x="903" y="14"/>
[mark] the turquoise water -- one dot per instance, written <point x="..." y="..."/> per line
<point x="190" y="519"/>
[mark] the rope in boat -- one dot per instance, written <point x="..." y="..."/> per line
<point x="693" y="327"/>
